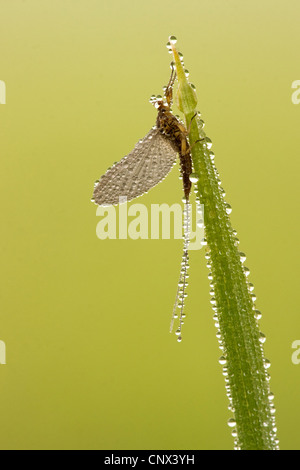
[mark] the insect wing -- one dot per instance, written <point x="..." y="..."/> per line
<point x="143" y="168"/>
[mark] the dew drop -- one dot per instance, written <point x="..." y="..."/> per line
<point x="194" y="178"/>
<point x="223" y="360"/>
<point x="251" y="287"/>
<point x="231" y="423"/>
<point x="225" y="371"/>
<point x="200" y="123"/>
<point x="152" y="98"/>
<point x="208" y="142"/>
<point x="173" y="39"/>
<point x="228" y="208"/>
<point x="246" y="271"/>
<point x="257" y="314"/>
<point x="262" y="337"/>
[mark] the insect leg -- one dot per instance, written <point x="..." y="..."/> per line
<point x="169" y="89"/>
<point x="190" y="124"/>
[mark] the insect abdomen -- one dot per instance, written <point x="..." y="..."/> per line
<point x="172" y="129"/>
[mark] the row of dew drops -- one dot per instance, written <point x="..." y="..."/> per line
<point x="183" y="278"/>
<point x="207" y="144"/>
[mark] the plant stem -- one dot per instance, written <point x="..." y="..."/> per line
<point x="245" y="367"/>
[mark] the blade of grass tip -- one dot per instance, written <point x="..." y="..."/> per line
<point x="235" y="314"/>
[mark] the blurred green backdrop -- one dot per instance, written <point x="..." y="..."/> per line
<point x="90" y="361"/>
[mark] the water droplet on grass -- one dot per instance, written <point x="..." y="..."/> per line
<point x="194" y="178"/>
<point x="228" y="208"/>
<point x="262" y="337"/>
<point x="231" y="422"/>
<point x="257" y="314"/>
<point x="223" y="360"/>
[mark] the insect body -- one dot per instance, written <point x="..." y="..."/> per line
<point x="148" y="164"/>
<point x="151" y="159"/>
<point x="175" y="131"/>
<point x="171" y="128"/>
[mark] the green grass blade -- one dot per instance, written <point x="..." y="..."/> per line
<point x="245" y="366"/>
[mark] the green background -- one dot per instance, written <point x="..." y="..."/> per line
<point x="90" y="361"/>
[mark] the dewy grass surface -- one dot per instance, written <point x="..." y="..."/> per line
<point x="244" y="364"/>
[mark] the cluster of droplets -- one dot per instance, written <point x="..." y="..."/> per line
<point x="194" y="178"/>
<point x="173" y="41"/>
<point x="183" y="278"/>
<point x="262" y="339"/>
<point x="206" y="144"/>
<point x="223" y="358"/>
<point x="155" y="100"/>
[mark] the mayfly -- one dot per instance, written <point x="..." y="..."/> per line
<point x="147" y="165"/>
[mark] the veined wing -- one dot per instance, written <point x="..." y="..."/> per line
<point x="143" y="168"/>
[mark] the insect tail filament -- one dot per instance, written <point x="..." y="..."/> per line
<point x="183" y="283"/>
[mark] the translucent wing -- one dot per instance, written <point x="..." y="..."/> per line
<point x="143" y="168"/>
